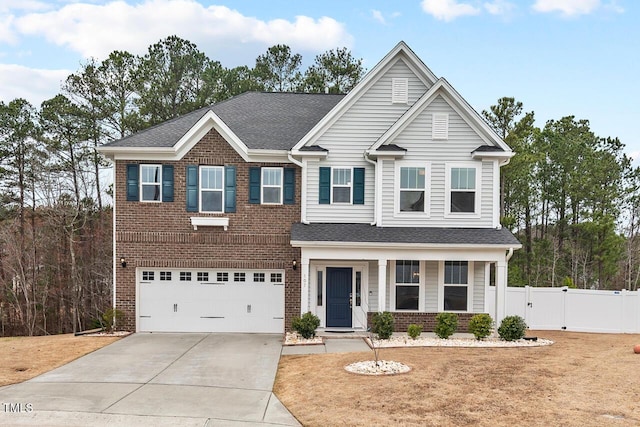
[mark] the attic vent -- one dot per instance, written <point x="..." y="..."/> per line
<point x="399" y="91"/>
<point x="440" y="128"/>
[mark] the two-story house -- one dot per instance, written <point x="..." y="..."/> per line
<point x="241" y="215"/>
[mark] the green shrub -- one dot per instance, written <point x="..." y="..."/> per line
<point x="306" y="325"/>
<point x="111" y="318"/>
<point x="382" y="325"/>
<point x="446" y="324"/>
<point x="512" y="328"/>
<point x="414" y="331"/>
<point x="480" y="325"/>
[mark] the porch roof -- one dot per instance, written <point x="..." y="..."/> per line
<point x="365" y="233"/>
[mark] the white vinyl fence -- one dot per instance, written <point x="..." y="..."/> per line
<point x="577" y="310"/>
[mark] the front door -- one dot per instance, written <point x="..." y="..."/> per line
<point x="339" y="297"/>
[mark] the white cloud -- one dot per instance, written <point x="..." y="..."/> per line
<point x="6" y="33"/>
<point x="26" y="5"/>
<point x="377" y="15"/>
<point x="499" y="7"/>
<point x="97" y="30"/>
<point x="448" y="10"/>
<point x="34" y="85"/>
<point x="566" y="7"/>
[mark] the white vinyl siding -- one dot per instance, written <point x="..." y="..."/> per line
<point x="373" y="287"/>
<point x="420" y="148"/>
<point x="478" y="287"/>
<point x="348" y="138"/>
<point x="431" y="287"/>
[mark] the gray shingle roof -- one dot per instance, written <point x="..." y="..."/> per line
<point x="272" y="121"/>
<point x="365" y="233"/>
<point x="488" y="148"/>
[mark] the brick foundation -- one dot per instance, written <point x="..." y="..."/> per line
<point x="427" y="320"/>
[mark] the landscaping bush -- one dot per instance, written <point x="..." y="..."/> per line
<point x="382" y="325"/>
<point x="306" y="325"/>
<point x="480" y="325"/>
<point x="446" y="324"/>
<point x="111" y="318"/>
<point x="512" y="328"/>
<point x="414" y="331"/>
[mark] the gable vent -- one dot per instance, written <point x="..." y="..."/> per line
<point x="440" y="127"/>
<point x="399" y="91"/>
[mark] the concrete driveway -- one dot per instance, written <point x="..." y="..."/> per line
<point x="157" y="380"/>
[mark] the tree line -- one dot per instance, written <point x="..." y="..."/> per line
<point x="56" y="249"/>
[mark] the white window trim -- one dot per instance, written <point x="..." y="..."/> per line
<point x="263" y="186"/>
<point x="421" y="287"/>
<point x="440" y="126"/>
<point x="200" y="189"/>
<point x="469" y="285"/>
<point x="399" y="90"/>
<point x="350" y="186"/>
<point x="427" y="184"/>
<point x="142" y="183"/>
<point x="447" y="190"/>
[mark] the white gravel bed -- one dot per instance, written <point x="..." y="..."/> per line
<point x="406" y="341"/>
<point x="109" y="334"/>
<point x="383" y="367"/>
<point x="292" y="338"/>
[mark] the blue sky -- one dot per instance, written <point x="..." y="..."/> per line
<point x="558" y="57"/>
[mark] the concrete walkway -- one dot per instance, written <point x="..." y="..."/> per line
<point x="330" y="345"/>
<point x="157" y="380"/>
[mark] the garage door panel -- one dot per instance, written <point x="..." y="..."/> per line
<point x="176" y="306"/>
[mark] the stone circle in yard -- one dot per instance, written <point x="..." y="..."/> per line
<point x="382" y="367"/>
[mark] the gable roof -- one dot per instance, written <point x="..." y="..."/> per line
<point x="460" y="105"/>
<point x="400" y="51"/>
<point x="255" y="120"/>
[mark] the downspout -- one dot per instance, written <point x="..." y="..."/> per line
<point x="303" y="179"/>
<point x="375" y="187"/>
<point x="509" y="254"/>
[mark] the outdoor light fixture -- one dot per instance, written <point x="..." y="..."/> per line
<point x="295" y="264"/>
<point x="123" y="262"/>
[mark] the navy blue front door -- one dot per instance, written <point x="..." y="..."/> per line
<point x="338" y="296"/>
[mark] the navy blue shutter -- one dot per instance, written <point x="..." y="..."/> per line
<point x="192" y="188"/>
<point x="289" y="186"/>
<point x="133" y="190"/>
<point x="254" y="185"/>
<point x="230" y="189"/>
<point x="167" y="183"/>
<point x="358" y="186"/>
<point x="325" y="186"/>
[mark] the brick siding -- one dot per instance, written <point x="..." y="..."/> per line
<point x="161" y="235"/>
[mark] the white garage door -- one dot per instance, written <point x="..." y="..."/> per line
<point x="210" y="300"/>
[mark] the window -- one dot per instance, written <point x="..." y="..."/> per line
<point x="239" y="277"/>
<point x="272" y="186"/>
<point x="203" y="276"/>
<point x="456" y="278"/>
<point x="461" y="194"/>
<point x="440" y="126"/>
<point x="319" y="286"/>
<point x="399" y="90"/>
<point x="358" y="288"/>
<point x="148" y="275"/>
<point x="258" y="277"/>
<point x="211" y="188"/>
<point x="185" y="276"/>
<point x="407" y="288"/>
<point x="276" y="277"/>
<point x="413" y="189"/>
<point x="165" y="275"/>
<point x="341" y="185"/>
<point x="222" y="277"/>
<point x="150" y="182"/>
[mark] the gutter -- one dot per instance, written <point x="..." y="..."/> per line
<point x="375" y="187"/>
<point x="303" y="179"/>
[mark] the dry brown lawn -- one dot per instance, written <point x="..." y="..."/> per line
<point x="581" y="380"/>
<point x="22" y="358"/>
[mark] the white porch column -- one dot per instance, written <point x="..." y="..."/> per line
<point x="382" y="285"/>
<point x="501" y="291"/>
<point x="304" y="288"/>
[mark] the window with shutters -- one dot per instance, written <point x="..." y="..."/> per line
<point x="399" y="90"/>
<point x="440" y="126"/>
<point x="151" y="183"/>
<point x="211" y="189"/>
<point x="341" y="185"/>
